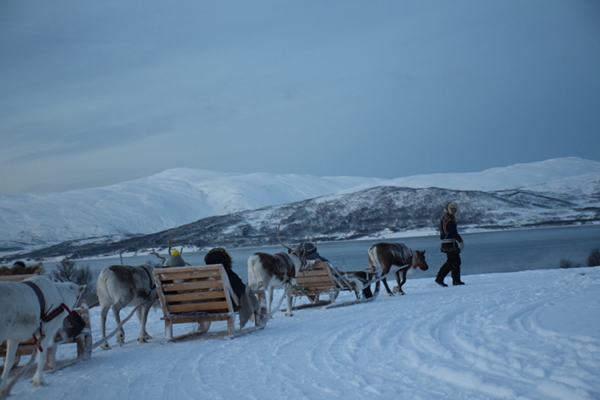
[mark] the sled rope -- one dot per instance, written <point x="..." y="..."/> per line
<point x="113" y="333"/>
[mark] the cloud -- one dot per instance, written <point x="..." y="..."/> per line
<point x="314" y="87"/>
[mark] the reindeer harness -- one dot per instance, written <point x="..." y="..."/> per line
<point x="408" y="260"/>
<point x="45" y="316"/>
<point x="291" y="268"/>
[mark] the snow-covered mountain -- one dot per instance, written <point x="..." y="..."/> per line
<point x="565" y="189"/>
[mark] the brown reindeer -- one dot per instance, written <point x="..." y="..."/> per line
<point x="394" y="258"/>
<point x="275" y="270"/>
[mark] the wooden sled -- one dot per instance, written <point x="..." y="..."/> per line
<point x="350" y="277"/>
<point x="15" y="278"/>
<point x="321" y="278"/>
<point x="201" y="294"/>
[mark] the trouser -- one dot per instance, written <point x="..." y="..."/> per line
<point x="451" y="264"/>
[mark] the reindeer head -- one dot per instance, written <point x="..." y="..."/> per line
<point x="421" y="263"/>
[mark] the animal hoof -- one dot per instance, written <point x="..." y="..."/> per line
<point x="37" y="382"/>
<point x="105" y="346"/>
<point x="144" y="339"/>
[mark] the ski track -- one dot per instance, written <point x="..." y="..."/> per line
<point x="497" y="343"/>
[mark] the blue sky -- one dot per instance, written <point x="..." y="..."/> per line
<point x="96" y="93"/>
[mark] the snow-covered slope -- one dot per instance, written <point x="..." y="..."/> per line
<point x="521" y="335"/>
<point x="180" y="196"/>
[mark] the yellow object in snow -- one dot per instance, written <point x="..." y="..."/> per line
<point x="175" y="253"/>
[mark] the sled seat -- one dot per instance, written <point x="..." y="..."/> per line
<point x="200" y="294"/>
<point x="83" y="340"/>
<point x="320" y="278"/>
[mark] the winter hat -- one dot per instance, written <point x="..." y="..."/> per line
<point x="449" y="206"/>
<point x="175" y="260"/>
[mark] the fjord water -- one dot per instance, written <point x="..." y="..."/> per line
<point x="486" y="252"/>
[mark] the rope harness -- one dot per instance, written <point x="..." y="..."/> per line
<point x="289" y="265"/>
<point x="45" y="317"/>
<point x="291" y="268"/>
<point x="408" y="260"/>
<point x="152" y="284"/>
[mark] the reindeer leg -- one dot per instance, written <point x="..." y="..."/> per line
<point x="270" y="299"/>
<point x="103" y="314"/>
<point x="387" y="288"/>
<point x="121" y="334"/>
<point x="142" y="314"/>
<point x="401" y="281"/>
<point x="46" y="343"/>
<point x="11" y="350"/>
<point x="288" y="295"/>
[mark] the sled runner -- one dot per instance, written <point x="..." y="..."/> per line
<point x="202" y="294"/>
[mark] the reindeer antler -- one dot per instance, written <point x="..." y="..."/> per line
<point x="303" y="244"/>
<point x="307" y="236"/>
<point x="158" y="255"/>
<point x="279" y="239"/>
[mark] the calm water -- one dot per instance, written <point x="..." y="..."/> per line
<point x="506" y="251"/>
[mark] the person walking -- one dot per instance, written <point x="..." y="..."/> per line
<point x="452" y="244"/>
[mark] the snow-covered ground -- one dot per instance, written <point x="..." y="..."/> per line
<point x="520" y="335"/>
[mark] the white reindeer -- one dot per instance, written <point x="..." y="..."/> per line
<point x="35" y="307"/>
<point x="119" y="286"/>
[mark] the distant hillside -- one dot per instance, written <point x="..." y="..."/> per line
<point x="349" y="216"/>
<point x="181" y="196"/>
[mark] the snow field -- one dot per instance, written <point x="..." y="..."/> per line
<point x="521" y="335"/>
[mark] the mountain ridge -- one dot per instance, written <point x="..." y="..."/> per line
<point x="182" y="196"/>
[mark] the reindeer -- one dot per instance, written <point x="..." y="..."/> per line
<point x="276" y="270"/>
<point x="394" y="258"/>
<point x="119" y="286"/>
<point x="35" y="307"/>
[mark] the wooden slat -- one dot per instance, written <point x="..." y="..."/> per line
<point x="194" y="296"/>
<point x="191" y="307"/>
<point x="314" y="280"/>
<point x="182" y="319"/>
<point x="318" y="271"/>
<point x="187" y="273"/>
<point x="193" y="285"/>
<point x="200" y="269"/>
<point x="15" y="278"/>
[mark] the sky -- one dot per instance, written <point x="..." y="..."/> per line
<point x="97" y="93"/>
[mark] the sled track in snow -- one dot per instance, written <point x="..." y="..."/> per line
<point x="495" y="343"/>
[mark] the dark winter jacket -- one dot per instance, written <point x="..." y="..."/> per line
<point x="175" y="261"/>
<point x="310" y="252"/>
<point x="449" y="234"/>
<point x="236" y="283"/>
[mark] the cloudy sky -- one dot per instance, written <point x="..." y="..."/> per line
<point x="96" y="93"/>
